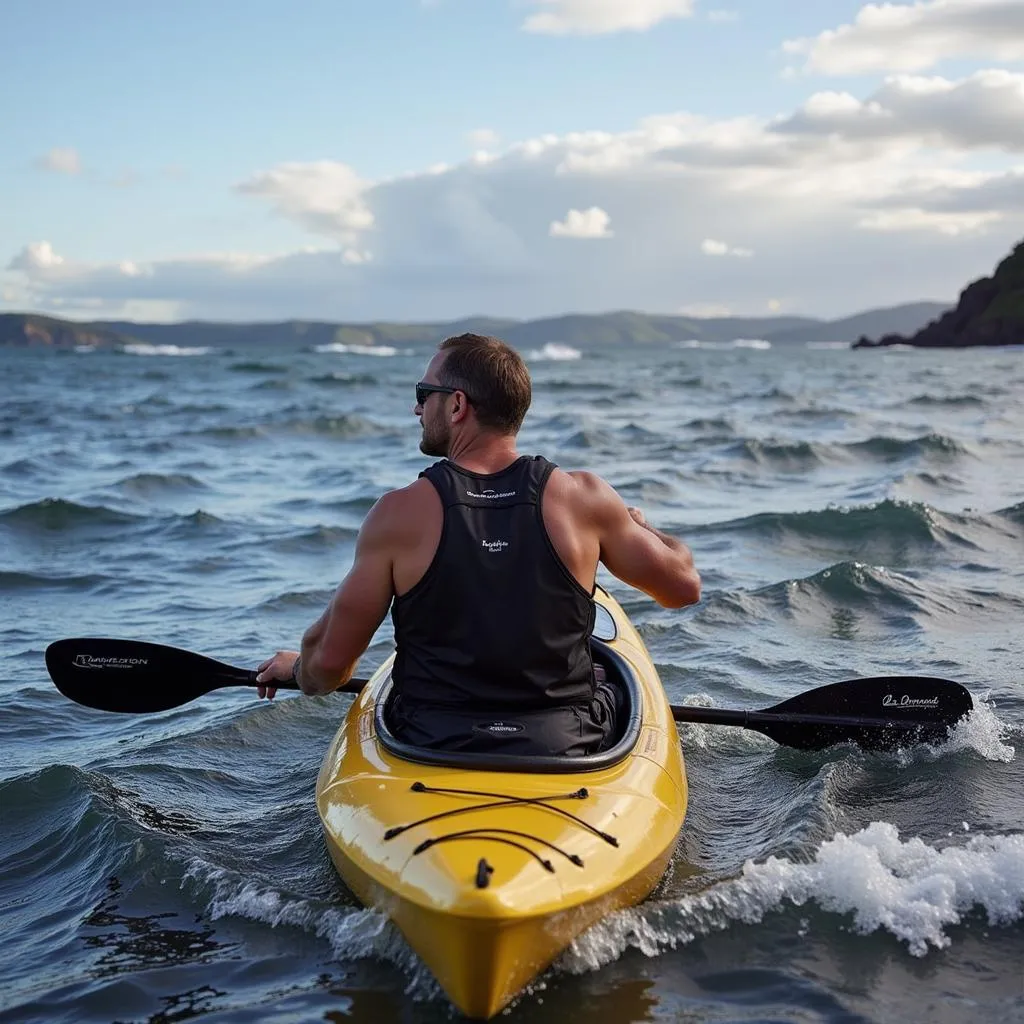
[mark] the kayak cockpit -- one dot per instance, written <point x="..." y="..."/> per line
<point x="619" y="673"/>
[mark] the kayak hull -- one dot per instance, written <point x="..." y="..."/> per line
<point x="490" y="875"/>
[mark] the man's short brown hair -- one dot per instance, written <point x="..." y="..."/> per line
<point x="493" y="376"/>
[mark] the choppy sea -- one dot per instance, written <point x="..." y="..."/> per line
<point x="851" y="513"/>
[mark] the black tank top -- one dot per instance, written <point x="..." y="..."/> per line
<point x="497" y="621"/>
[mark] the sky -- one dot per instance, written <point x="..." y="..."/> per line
<point x="433" y="159"/>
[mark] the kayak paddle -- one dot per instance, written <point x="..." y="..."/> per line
<point x="877" y="713"/>
<point x="136" y="677"/>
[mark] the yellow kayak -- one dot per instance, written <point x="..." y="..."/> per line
<point x="490" y="870"/>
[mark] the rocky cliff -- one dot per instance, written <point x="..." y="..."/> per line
<point x="990" y="312"/>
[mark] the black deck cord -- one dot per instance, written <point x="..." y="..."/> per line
<point x="504" y="800"/>
<point x="471" y="834"/>
<point x="484" y="833"/>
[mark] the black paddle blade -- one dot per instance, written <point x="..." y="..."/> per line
<point x="133" y="676"/>
<point x="878" y="713"/>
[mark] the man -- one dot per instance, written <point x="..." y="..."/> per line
<point x="488" y="563"/>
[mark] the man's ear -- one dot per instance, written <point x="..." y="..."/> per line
<point x="460" y="406"/>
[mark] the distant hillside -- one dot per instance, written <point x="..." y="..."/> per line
<point x="990" y="312"/>
<point x="47" y="331"/>
<point x="579" y="330"/>
<point x="897" y="319"/>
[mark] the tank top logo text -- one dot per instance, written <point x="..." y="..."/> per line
<point x="495" y="545"/>
<point x="493" y="495"/>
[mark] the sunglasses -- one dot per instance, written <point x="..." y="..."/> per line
<point x="424" y="391"/>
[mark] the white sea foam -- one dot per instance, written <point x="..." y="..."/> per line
<point x="359" y="350"/>
<point x="85" y="348"/>
<point x="910" y="889"/>
<point x="145" y="349"/>
<point x="353" y="933"/>
<point x="758" y="344"/>
<point x="981" y="731"/>
<point x="828" y="344"/>
<point x="555" y="351"/>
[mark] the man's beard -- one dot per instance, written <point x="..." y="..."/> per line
<point x="434" y="442"/>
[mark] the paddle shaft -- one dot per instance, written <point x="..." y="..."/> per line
<point x="352" y="686"/>
<point x="756" y="719"/>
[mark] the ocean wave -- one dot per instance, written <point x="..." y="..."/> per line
<point x="895" y="448"/>
<point x="771" y="452"/>
<point x="954" y="401"/>
<point x="315" y="540"/>
<point x="579" y="385"/>
<point x="255" y="366"/>
<point x="60" y="514"/>
<point x="145" y="349"/>
<point x="354" y="933"/>
<point x="589" y="438"/>
<point x="344" y="426"/>
<point x="1015" y="513"/>
<point x="908" y="888"/>
<point x="344" y="379"/>
<point x="292" y="599"/>
<point x="554" y="351"/>
<point x="145" y="484"/>
<point x="21" y="581"/>
<point x="870" y="527"/>
<point x="230" y="433"/>
<point x="789" y="454"/>
<point x="21" y="467"/>
<point x="756" y="344"/>
<point x="841" y="601"/>
<point x="711" y="423"/>
<point x="359" y="350"/>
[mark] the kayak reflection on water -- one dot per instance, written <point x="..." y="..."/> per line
<point x="488" y="564"/>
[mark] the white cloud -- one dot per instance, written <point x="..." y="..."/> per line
<point x="61" y="161"/>
<point x="917" y="36"/>
<point x="774" y="305"/>
<point x="353" y="257"/>
<point x="591" y="223"/>
<point x="34" y="257"/>
<point x="711" y="247"/>
<point x="597" y="17"/>
<point x="836" y="204"/>
<point x="327" y="197"/>
<point x="722" y="17"/>
<point x="914" y="219"/>
<point x="483" y="138"/>
<point x="984" y="110"/>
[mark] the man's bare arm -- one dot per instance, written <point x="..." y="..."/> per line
<point x="333" y="645"/>
<point x="634" y="551"/>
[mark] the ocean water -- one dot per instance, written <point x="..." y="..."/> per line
<point x="851" y="513"/>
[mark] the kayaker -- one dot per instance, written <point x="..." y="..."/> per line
<point x="487" y="562"/>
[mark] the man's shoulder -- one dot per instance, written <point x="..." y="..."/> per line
<point x="396" y="507"/>
<point x="579" y="484"/>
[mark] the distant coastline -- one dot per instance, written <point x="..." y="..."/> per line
<point x="578" y="330"/>
<point x="990" y="313"/>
